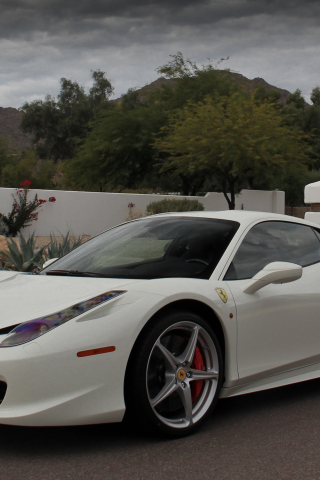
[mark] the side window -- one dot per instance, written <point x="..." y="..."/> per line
<point x="274" y="242"/>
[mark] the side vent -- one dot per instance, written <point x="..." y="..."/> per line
<point x="3" y="391"/>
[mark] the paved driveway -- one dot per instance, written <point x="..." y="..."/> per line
<point x="272" y="435"/>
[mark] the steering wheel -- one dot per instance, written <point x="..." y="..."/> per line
<point x="197" y="260"/>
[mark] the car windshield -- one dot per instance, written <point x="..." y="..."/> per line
<point x="151" y="248"/>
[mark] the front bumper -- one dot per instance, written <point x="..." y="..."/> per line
<point x="49" y="385"/>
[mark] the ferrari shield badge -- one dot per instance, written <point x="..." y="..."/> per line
<point x="222" y="294"/>
<point x="181" y="374"/>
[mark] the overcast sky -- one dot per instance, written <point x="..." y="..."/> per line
<point x="44" y="40"/>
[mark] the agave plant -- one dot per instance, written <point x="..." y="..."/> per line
<point x="24" y="259"/>
<point x="57" y="249"/>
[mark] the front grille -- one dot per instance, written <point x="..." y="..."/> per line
<point x="3" y="390"/>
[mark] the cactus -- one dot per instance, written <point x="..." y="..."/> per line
<point x="56" y="249"/>
<point x="25" y="259"/>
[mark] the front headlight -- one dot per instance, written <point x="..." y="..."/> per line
<point x="34" y="328"/>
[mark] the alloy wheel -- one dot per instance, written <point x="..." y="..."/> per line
<point x="182" y="374"/>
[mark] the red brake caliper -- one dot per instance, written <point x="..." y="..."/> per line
<point x="197" y="364"/>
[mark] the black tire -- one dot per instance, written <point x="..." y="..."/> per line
<point x="174" y="374"/>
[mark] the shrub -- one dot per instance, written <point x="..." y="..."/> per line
<point x="174" y="205"/>
<point x="23" y="212"/>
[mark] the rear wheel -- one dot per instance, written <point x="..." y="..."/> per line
<point x="174" y="375"/>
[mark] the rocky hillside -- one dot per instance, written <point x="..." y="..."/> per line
<point x="251" y="84"/>
<point x="237" y="78"/>
<point x="10" y="118"/>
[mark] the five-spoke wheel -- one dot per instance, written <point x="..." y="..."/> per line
<point x="181" y="358"/>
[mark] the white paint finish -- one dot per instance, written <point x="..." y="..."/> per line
<point x="32" y="348"/>
<point x="58" y="388"/>
<point x="53" y="293"/>
<point x="275" y="272"/>
<point x="288" y="378"/>
<point x="278" y="331"/>
<point x="312" y="193"/>
<point x="33" y="398"/>
<point x="89" y="213"/>
<point x="204" y="291"/>
<point x="278" y="326"/>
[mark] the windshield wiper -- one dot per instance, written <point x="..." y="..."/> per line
<point x="73" y="273"/>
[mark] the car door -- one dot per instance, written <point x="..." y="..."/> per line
<point x="279" y="325"/>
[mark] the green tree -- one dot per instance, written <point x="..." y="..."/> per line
<point x="261" y="94"/>
<point x="101" y="89"/>
<point x="315" y="96"/>
<point x="191" y="83"/>
<point x="59" y="125"/>
<point x="296" y="113"/>
<point x="296" y="98"/>
<point x="27" y="166"/>
<point x="5" y="154"/>
<point x="132" y="100"/>
<point x="117" y="152"/>
<point x="233" y="139"/>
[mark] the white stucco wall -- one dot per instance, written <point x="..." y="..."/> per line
<point x="90" y="213"/>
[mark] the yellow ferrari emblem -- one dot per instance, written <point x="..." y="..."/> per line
<point x="222" y="294"/>
<point x="181" y="374"/>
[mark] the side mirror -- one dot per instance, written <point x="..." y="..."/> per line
<point x="48" y="262"/>
<point x="275" y="272"/>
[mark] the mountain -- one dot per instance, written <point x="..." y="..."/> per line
<point x="236" y="77"/>
<point x="10" y="118"/>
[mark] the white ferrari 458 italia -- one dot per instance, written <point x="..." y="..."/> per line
<point x="158" y="318"/>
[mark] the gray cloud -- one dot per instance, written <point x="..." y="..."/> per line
<point x="42" y="41"/>
<point x="20" y="17"/>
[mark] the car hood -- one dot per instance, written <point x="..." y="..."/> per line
<point x="25" y="297"/>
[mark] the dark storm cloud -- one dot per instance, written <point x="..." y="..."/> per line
<point x="44" y="40"/>
<point x="24" y="17"/>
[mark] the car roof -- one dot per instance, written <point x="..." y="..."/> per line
<point x="244" y="217"/>
<point x="235" y="215"/>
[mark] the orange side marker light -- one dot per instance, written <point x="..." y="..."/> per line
<point x="95" y="351"/>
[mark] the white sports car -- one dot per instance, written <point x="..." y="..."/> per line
<point x="160" y="317"/>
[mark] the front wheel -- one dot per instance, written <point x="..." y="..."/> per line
<point x="175" y="374"/>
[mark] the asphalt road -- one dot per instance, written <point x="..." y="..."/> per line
<point x="272" y="435"/>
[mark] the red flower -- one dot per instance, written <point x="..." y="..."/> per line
<point x="42" y="201"/>
<point x="25" y="184"/>
<point x="52" y="199"/>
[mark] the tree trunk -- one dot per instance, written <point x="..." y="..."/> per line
<point x="229" y="185"/>
<point x="185" y="185"/>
